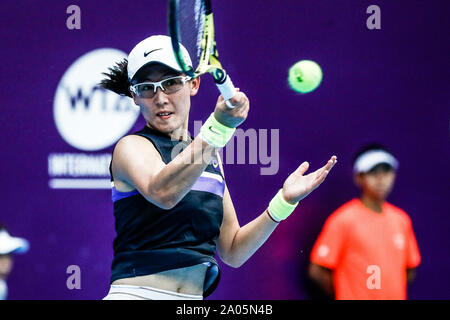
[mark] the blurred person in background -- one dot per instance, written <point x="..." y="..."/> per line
<point x="8" y="246"/>
<point x="367" y="249"/>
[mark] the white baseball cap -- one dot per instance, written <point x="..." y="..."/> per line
<point x="154" y="49"/>
<point x="368" y="160"/>
<point x="10" y="244"/>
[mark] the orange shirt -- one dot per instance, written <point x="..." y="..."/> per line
<point x="368" y="252"/>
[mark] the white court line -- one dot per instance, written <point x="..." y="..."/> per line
<point x="79" y="184"/>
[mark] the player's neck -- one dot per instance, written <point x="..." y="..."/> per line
<point x="178" y="134"/>
<point x="181" y="133"/>
<point x="374" y="204"/>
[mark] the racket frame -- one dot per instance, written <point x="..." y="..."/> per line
<point x="209" y="59"/>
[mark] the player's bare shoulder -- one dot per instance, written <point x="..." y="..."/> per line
<point x="134" y="153"/>
<point x="134" y="146"/>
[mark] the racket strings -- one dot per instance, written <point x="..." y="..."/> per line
<point x="191" y="24"/>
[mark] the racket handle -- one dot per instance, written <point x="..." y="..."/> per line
<point x="227" y="90"/>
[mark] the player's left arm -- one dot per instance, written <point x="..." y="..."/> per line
<point x="237" y="244"/>
<point x="227" y="243"/>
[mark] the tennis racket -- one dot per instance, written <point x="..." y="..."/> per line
<point x="191" y="24"/>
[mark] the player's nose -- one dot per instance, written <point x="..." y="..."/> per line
<point x="160" y="96"/>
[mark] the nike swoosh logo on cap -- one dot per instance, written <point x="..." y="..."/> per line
<point x="147" y="53"/>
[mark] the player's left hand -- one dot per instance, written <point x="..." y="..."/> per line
<point x="297" y="186"/>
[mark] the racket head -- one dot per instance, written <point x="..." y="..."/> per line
<point x="189" y="25"/>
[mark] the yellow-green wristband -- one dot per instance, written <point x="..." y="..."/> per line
<point x="215" y="133"/>
<point x="279" y="208"/>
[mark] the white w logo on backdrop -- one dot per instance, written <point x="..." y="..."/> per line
<point x="86" y="116"/>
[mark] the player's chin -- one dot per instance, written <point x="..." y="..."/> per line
<point x="165" y="126"/>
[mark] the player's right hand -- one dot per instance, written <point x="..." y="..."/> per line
<point x="232" y="117"/>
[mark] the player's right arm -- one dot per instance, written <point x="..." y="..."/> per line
<point x="138" y="164"/>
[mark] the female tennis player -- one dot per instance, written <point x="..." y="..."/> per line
<point x="171" y="204"/>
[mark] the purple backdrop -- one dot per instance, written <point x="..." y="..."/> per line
<point x="389" y="85"/>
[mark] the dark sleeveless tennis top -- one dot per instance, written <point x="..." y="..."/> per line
<point x="151" y="239"/>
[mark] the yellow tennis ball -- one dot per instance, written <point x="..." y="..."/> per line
<point x="305" y="76"/>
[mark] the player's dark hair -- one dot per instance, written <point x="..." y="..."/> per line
<point x="373" y="147"/>
<point x="2" y="227"/>
<point x="117" y="79"/>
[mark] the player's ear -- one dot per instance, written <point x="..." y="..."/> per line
<point x="133" y="95"/>
<point x="195" y="84"/>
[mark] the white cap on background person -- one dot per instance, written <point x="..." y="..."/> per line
<point x="368" y="160"/>
<point x="9" y="244"/>
<point x="154" y="49"/>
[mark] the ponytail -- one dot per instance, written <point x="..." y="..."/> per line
<point x="117" y="79"/>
